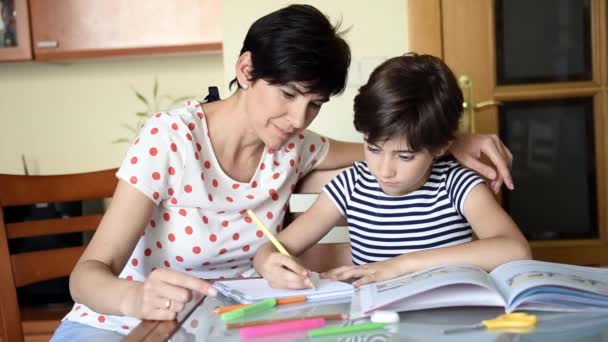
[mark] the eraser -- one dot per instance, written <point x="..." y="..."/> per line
<point x="385" y="316"/>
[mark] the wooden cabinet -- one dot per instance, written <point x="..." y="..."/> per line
<point x="15" y="31"/>
<point x="71" y="29"/>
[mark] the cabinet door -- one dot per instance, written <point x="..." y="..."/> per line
<point x="92" y="28"/>
<point x="14" y="31"/>
<point x="537" y="77"/>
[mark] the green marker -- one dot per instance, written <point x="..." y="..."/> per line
<point x="248" y="310"/>
<point x="345" y="329"/>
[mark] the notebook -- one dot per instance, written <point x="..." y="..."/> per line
<point x="257" y="289"/>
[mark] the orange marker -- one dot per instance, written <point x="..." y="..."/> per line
<point x="228" y="308"/>
<point x="288" y="300"/>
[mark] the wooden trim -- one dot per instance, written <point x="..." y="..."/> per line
<point x="424" y="27"/>
<point x="596" y="44"/>
<point x="492" y="56"/>
<point x="38" y="338"/>
<point x="603" y="45"/>
<point x="163" y="331"/>
<point x="43" y="319"/>
<point x="64" y="260"/>
<point x="602" y="126"/>
<point x="50" y="55"/>
<point x="9" y="306"/>
<point x="546" y="91"/>
<point x="587" y="243"/>
<point x="572" y="254"/>
<point x="25" y="190"/>
<point x="600" y="162"/>
<point x="23" y="50"/>
<point x="142" y="330"/>
<point x="53" y="226"/>
<point x="42" y="327"/>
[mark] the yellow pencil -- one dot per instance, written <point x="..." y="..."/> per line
<point x="273" y="239"/>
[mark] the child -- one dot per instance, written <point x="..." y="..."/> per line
<point x="406" y="209"/>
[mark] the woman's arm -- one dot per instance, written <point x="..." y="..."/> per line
<point x="284" y="272"/>
<point x="467" y="149"/>
<point x="341" y="154"/>
<point x="94" y="281"/>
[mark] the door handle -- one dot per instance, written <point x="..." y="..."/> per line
<point x="489" y="103"/>
<point x="467" y="122"/>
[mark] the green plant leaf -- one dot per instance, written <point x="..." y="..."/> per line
<point x="180" y="99"/>
<point x="141" y="97"/>
<point x="130" y="128"/>
<point x="142" y="114"/>
<point x="155" y="90"/>
<point x="121" y="141"/>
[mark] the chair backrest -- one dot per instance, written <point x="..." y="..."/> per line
<point x="20" y="269"/>
<point x="334" y="249"/>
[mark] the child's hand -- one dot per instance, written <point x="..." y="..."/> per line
<point x="285" y="272"/>
<point x="364" y="274"/>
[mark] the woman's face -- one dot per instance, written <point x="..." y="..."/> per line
<point x="278" y="112"/>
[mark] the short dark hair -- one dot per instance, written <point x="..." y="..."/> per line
<point x="412" y="96"/>
<point x="298" y="43"/>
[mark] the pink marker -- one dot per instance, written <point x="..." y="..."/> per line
<point x="278" y="328"/>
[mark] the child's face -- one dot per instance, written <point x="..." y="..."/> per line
<point x="398" y="170"/>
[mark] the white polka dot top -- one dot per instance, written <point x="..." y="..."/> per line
<point x="200" y="225"/>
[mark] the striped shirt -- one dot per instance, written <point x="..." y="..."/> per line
<point x="382" y="226"/>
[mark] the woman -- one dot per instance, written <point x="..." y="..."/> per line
<point x="179" y="210"/>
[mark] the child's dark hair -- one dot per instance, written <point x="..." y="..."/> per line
<point x="412" y="96"/>
<point x="298" y="43"/>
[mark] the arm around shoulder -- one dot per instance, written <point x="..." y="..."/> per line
<point x="341" y="154"/>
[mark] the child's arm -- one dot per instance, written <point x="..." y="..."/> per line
<point x="284" y="272"/>
<point x="499" y="241"/>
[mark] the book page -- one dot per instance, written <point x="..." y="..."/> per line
<point x="545" y="282"/>
<point x="471" y="283"/>
<point x="256" y="289"/>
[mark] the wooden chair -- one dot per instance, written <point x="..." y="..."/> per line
<point x="20" y="269"/>
<point x="334" y="249"/>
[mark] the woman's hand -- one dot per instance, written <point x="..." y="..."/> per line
<point x="162" y="295"/>
<point x="365" y="274"/>
<point x="284" y="272"/>
<point x="467" y="148"/>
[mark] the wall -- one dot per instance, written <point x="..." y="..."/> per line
<point x="376" y="31"/>
<point x="64" y="116"/>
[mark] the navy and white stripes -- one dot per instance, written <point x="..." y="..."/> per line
<point x="383" y="226"/>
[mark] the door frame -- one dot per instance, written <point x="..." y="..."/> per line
<point x="425" y="33"/>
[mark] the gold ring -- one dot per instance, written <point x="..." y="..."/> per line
<point x="168" y="305"/>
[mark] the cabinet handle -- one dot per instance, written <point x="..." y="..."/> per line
<point x="47" y="44"/>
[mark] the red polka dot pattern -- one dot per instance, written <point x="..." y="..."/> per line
<point x="200" y="224"/>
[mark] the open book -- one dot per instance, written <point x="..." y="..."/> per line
<point x="256" y="289"/>
<point x="516" y="285"/>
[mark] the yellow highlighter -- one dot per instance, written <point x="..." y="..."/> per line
<point x="515" y="322"/>
<point x="273" y="239"/>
